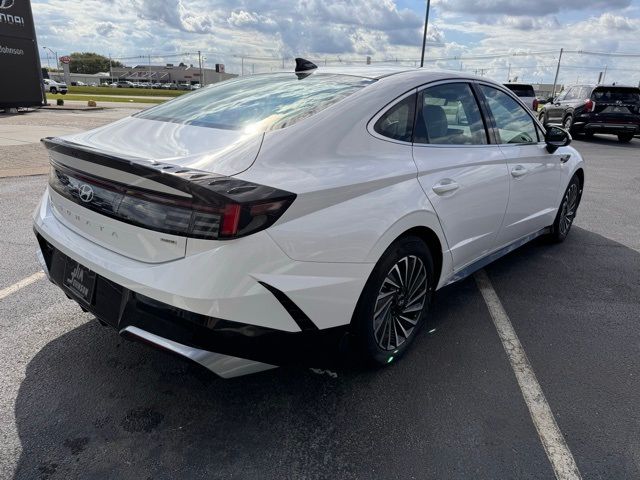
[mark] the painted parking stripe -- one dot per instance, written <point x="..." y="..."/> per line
<point x="550" y="435"/>
<point x="5" y="292"/>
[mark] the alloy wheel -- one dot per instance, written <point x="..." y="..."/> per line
<point x="400" y="302"/>
<point x="569" y="208"/>
<point x="568" y="122"/>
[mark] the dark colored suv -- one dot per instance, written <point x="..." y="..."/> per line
<point x="591" y="109"/>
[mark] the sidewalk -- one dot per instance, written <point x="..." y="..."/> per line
<point x="22" y="154"/>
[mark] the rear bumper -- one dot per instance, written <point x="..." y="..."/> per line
<point x="243" y="299"/>
<point x="604" y="127"/>
<point x="227" y="348"/>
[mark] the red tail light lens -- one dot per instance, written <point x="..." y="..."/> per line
<point x="589" y="106"/>
<point x="536" y="104"/>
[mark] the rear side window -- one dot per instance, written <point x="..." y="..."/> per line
<point x="616" y="94"/>
<point x="449" y="115"/>
<point x="258" y="103"/>
<point x="397" y="122"/>
<point x="513" y="122"/>
<point x="525" y="91"/>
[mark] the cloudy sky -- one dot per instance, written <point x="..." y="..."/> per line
<point x="331" y="31"/>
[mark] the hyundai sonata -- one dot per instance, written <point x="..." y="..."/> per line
<point x="288" y="216"/>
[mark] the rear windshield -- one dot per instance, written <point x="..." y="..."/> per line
<point x="258" y="103"/>
<point x="522" y="90"/>
<point x="616" y="94"/>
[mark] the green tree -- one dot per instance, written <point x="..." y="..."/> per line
<point x="88" y="62"/>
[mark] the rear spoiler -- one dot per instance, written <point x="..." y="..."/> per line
<point x="205" y="187"/>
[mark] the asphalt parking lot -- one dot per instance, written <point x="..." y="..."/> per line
<point x="78" y="401"/>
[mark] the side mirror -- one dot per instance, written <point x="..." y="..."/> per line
<point x="557" y="137"/>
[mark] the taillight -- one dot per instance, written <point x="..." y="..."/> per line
<point x="589" y="106"/>
<point x="536" y="104"/>
<point x="219" y="208"/>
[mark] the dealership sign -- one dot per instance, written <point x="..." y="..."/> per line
<point x="21" y="85"/>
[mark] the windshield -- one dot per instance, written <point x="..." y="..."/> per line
<point x="259" y="102"/>
<point x="616" y="94"/>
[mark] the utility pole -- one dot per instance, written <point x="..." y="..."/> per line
<point x="605" y="73"/>
<point x="509" y="73"/>
<point x="424" y="36"/>
<point x="200" y="65"/>
<point x="555" y="81"/>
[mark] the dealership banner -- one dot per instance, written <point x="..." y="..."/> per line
<point x="21" y="78"/>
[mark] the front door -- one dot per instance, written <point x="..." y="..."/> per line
<point x="534" y="173"/>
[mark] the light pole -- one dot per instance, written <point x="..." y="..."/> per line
<point x="56" y="55"/>
<point x="424" y="36"/>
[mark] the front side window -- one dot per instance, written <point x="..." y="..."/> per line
<point x="397" y="122"/>
<point x="258" y="103"/>
<point x="449" y="115"/>
<point x="513" y="123"/>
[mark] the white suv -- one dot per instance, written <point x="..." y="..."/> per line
<point x="54" y="87"/>
<point x="286" y="216"/>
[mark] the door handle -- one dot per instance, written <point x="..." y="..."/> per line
<point x="445" y="186"/>
<point x="519" y="171"/>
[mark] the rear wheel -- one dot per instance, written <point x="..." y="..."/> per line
<point x="625" y="137"/>
<point x="567" y="211"/>
<point x="567" y="123"/>
<point x="393" y="305"/>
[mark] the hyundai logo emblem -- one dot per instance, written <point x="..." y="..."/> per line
<point x="6" y="4"/>
<point x="86" y="193"/>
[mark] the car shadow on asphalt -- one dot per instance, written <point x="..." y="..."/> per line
<point x="93" y="405"/>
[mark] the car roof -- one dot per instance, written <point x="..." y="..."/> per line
<point x="399" y="73"/>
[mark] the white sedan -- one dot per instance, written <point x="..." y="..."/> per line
<point x="293" y="216"/>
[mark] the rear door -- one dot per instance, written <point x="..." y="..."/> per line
<point x="534" y="173"/>
<point x="463" y="174"/>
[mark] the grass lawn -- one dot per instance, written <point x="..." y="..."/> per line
<point x="116" y="92"/>
<point x="84" y="98"/>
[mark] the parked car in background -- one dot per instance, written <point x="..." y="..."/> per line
<point x="52" y="86"/>
<point x="274" y="217"/>
<point x="125" y="84"/>
<point x="591" y="109"/>
<point x="526" y="93"/>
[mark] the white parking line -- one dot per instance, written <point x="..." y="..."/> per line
<point x="552" y="439"/>
<point x="5" y="292"/>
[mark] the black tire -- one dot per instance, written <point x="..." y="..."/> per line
<point x="625" y="137"/>
<point x="567" y="123"/>
<point x="567" y="211"/>
<point x="63" y="93"/>
<point x="54" y="90"/>
<point x="408" y="254"/>
<point x="543" y="119"/>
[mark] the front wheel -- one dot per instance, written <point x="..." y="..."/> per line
<point x="54" y="90"/>
<point x="543" y="119"/>
<point x="394" y="302"/>
<point x="625" y="137"/>
<point x="567" y="212"/>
